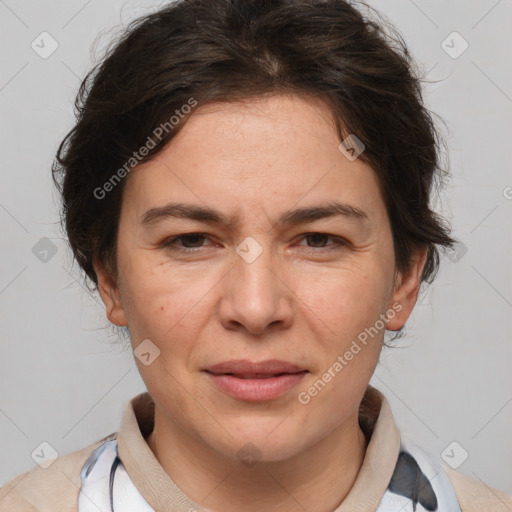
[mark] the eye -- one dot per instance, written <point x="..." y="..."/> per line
<point x="194" y="242"/>
<point x="319" y="239"/>
<point x="188" y="242"/>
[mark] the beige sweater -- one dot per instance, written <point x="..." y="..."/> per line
<point x="56" y="488"/>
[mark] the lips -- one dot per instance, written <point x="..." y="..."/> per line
<point x="242" y="368"/>
<point x="254" y="375"/>
<point x="255" y="382"/>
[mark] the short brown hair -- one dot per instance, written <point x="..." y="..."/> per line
<point x="229" y="50"/>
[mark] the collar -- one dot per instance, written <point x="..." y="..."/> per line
<point x="162" y="493"/>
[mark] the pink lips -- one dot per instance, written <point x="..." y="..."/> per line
<point x="255" y="382"/>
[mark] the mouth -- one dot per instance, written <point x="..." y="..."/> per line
<point x="256" y="375"/>
<point x="255" y="382"/>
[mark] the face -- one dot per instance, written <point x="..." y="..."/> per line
<point x="262" y="284"/>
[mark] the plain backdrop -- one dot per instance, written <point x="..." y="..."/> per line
<point x="63" y="377"/>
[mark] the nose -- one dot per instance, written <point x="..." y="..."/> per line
<point x="256" y="296"/>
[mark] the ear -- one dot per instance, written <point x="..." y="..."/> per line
<point x="406" y="290"/>
<point x="110" y="295"/>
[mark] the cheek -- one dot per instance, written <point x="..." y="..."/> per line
<point x="344" y="301"/>
<point x="161" y="304"/>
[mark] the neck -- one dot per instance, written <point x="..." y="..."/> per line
<point x="317" y="479"/>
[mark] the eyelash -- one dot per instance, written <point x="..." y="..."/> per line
<point x="171" y="243"/>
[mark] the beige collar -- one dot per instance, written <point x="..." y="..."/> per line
<point x="163" y="494"/>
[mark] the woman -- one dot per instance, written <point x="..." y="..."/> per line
<point x="248" y="186"/>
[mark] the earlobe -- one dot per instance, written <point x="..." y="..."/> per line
<point x="406" y="291"/>
<point x="110" y="295"/>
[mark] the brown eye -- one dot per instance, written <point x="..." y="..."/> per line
<point x="320" y="241"/>
<point x="317" y="239"/>
<point x="188" y="242"/>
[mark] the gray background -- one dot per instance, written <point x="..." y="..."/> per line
<point x="63" y="377"/>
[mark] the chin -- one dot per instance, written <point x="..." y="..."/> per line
<point x="265" y="441"/>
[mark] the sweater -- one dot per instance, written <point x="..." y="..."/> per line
<point x="120" y="473"/>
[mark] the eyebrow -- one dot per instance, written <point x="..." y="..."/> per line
<point x="292" y="217"/>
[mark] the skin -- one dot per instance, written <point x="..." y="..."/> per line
<point x="302" y="300"/>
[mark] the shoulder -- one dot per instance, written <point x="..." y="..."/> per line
<point x="475" y="496"/>
<point x="54" y="489"/>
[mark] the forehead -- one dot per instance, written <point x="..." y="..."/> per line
<point x="255" y="157"/>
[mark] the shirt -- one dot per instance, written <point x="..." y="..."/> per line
<point x="120" y="473"/>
